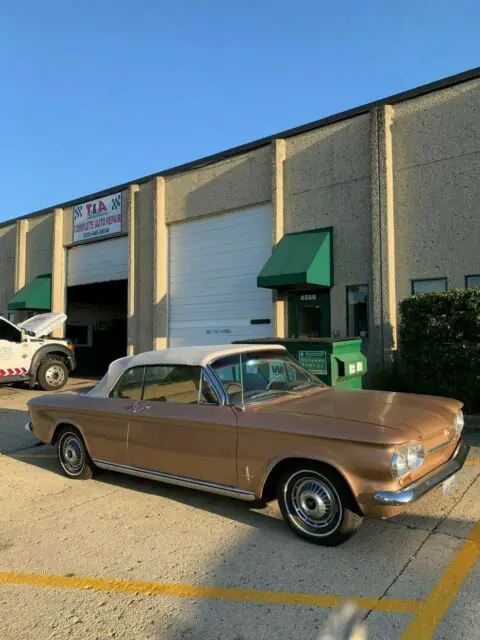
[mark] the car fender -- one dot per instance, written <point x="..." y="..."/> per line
<point x="44" y="351"/>
<point x="69" y="423"/>
<point x="303" y="455"/>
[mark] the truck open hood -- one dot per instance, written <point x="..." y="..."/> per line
<point x="43" y="324"/>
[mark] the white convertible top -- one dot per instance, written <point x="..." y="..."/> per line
<point x="192" y="356"/>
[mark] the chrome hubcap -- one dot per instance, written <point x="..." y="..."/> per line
<point x="315" y="503"/>
<point x="72" y="454"/>
<point x="54" y="375"/>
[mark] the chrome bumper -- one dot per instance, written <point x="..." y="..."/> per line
<point x="28" y="426"/>
<point x="416" y="490"/>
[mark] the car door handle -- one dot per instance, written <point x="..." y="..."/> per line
<point x="137" y="407"/>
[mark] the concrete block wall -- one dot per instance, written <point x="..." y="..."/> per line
<point x="144" y="241"/>
<point x="39" y="246"/>
<point x="436" y="164"/>
<point x="235" y="183"/>
<point x="327" y="183"/>
<point x="8" y="241"/>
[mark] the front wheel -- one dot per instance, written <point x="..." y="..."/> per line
<point x="52" y="375"/>
<point x="317" y="505"/>
<point x="73" y="455"/>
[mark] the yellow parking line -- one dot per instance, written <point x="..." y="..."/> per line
<point x="445" y="591"/>
<point x="201" y="591"/>
<point x="471" y="463"/>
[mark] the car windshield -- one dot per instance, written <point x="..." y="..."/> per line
<point x="257" y="376"/>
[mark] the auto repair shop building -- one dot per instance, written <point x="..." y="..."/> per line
<point x="320" y="230"/>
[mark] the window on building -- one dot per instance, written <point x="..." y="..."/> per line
<point x="472" y="282"/>
<point x="432" y="285"/>
<point x="357" y="310"/>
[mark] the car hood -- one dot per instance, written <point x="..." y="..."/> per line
<point x="402" y="412"/>
<point x="43" y="324"/>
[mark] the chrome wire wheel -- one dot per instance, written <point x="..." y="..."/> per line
<point x="315" y="506"/>
<point x="71" y="453"/>
<point x="55" y="376"/>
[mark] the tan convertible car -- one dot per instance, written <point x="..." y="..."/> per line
<point x="248" y="421"/>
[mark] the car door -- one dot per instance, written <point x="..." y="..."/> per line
<point x="104" y="421"/>
<point x="14" y="360"/>
<point x="180" y="429"/>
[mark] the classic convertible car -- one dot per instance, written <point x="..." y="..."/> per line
<point x="248" y="421"/>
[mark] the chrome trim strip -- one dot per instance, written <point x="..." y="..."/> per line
<point x="216" y="384"/>
<point x="437" y="447"/>
<point x="416" y="490"/>
<point x="179" y="481"/>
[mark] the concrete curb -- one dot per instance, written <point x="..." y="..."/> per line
<point x="472" y="422"/>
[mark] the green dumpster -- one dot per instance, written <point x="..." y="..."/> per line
<point x="337" y="362"/>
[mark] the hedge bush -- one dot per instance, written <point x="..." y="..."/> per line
<point x="439" y="340"/>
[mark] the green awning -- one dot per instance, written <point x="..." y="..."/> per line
<point x="36" y="295"/>
<point x="300" y="259"/>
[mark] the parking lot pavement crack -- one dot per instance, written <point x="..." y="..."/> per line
<point x="398" y="576"/>
<point x="429" y="535"/>
<point x="442" y="520"/>
<point x="56" y="513"/>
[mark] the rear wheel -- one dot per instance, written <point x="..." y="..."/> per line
<point x="73" y="455"/>
<point x="317" y="504"/>
<point x="52" y="374"/>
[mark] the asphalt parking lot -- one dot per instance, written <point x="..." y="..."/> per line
<point x="120" y="557"/>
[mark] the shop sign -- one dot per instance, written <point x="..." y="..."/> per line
<point x="97" y="218"/>
<point x="314" y="361"/>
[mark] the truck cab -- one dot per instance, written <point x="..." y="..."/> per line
<point x="28" y="354"/>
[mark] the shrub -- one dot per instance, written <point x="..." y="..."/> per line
<point x="439" y="338"/>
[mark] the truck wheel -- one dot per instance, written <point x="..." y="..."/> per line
<point x="52" y="374"/>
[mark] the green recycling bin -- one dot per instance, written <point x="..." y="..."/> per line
<point x="337" y="362"/>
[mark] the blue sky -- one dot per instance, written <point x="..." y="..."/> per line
<point x="99" y="92"/>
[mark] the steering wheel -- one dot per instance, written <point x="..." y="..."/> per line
<point x="279" y="375"/>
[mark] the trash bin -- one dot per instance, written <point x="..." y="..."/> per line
<point x="337" y="362"/>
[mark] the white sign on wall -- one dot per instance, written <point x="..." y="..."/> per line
<point x="97" y="218"/>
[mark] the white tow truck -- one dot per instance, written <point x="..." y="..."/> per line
<point x="28" y="355"/>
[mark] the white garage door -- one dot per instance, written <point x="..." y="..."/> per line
<point x="98" y="262"/>
<point x="213" y="268"/>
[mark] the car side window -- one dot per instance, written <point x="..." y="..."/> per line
<point x="9" y="333"/>
<point x="181" y="384"/>
<point x="129" y="387"/>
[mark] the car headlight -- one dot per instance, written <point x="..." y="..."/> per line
<point x="406" y="459"/>
<point x="459" y="423"/>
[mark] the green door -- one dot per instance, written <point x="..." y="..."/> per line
<point x="309" y="314"/>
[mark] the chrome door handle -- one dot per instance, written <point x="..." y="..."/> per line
<point x="137" y="408"/>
